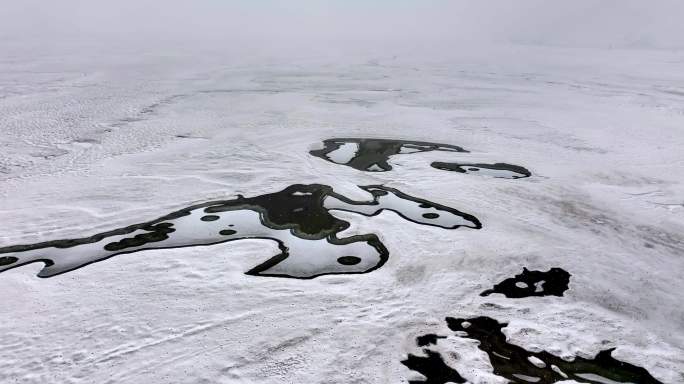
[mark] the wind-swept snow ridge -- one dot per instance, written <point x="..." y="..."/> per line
<point x="519" y="365"/>
<point x="298" y="218"/>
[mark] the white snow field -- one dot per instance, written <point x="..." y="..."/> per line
<point x="98" y="141"/>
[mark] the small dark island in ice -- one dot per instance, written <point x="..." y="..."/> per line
<point x="498" y="170"/>
<point x="298" y="218"/>
<point x="372" y="155"/>
<point x="521" y="366"/>
<point x="553" y="282"/>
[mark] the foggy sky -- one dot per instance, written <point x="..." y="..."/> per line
<point x="580" y="23"/>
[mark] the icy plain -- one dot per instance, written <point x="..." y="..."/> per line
<point x="94" y="142"/>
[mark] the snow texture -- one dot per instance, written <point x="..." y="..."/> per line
<point x="90" y="142"/>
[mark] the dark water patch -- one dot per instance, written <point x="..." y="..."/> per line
<point x="515" y="363"/>
<point x="553" y="282"/>
<point x="155" y="233"/>
<point x="522" y="366"/>
<point x="348" y="260"/>
<point x="411" y="208"/>
<point x="372" y="155"/>
<point x="7" y="260"/>
<point x="433" y="367"/>
<point x="498" y="170"/>
<point x="428" y="339"/>
<point x="300" y="219"/>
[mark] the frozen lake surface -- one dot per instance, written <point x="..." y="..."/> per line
<point x="300" y="219"/>
<point x="582" y="158"/>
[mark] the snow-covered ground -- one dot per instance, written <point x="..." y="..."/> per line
<point x="97" y="141"/>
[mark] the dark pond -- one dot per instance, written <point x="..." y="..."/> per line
<point x="372" y="155"/>
<point x="498" y="170"/>
<point x="553" y="282"/>
<point x="299" y="218"/>
<point x="519" y="365"/>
